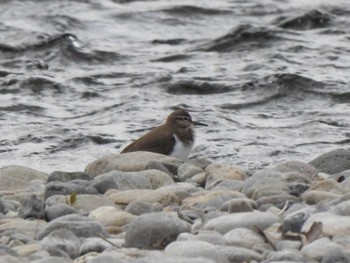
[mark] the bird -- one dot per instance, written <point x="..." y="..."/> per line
<point x="174" y="138"/>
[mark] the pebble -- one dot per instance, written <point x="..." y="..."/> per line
<point x="154" y="231"/>
<point x="148" y="208"/>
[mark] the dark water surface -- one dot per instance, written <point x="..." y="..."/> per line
<point x="79" y="79"/>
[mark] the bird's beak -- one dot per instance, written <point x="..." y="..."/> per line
<point x="198" y="123"/>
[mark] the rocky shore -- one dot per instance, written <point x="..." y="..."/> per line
<point x="148" y="208"/>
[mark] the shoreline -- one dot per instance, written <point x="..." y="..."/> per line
<point x="146" y="207"/>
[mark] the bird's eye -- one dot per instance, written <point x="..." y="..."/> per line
<point x="186" y="118"/>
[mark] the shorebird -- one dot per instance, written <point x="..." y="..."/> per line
<point x="174" y="138"/>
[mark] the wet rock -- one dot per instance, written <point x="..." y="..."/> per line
<point x="195" y="249"/>
<point x="110" y="216"/>
<point x="243" y="237"/>
<point x="164" y="198"/>
<point x="36" y="186"/>
<point x="103" y="184"/>
<point x="127" y="162"/>
<point x="68" y="176"/>
<point x="218" y="172"/>
<point x="61" y="188"/>
<point x="81" y="226"/>
<point x="32" y="207"/>
<point x="239" y="205"/>
<point x="63" y="240"/>
<point x="148" y="179"/>
<point x="343" y="208"/>
<point x="140" y="207"/>
<point x="18" y="177"/>
<point x="58" y="210"/>
<point x="154" y="231"/>
<point x="251" y="220"/>
<point x="186" y="171"/>
<point x="332" y="162"/>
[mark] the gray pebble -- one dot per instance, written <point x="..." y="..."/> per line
<point x="58" y="210"/>
<point x="154" y="231"/>
<point x="61" y="240"/>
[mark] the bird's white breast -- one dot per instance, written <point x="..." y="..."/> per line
<point x="181" y="150"/>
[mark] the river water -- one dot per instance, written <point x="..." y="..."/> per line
<point x="80" y="79"/>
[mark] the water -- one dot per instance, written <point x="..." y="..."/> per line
<point x="80" y="79"/>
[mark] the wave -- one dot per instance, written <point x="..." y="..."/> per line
<point x="196" y="87"/>
<point x="61" y="47"/>
<point x="310" y="20"/>
<point x="244" y="36"/>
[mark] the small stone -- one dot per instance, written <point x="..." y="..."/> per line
<point x="234" y="185"/>
<point x="58" y="210"/>
<point x="195" y="249"/>
<point x="313" y="197"/>
<point x="287" y="256"/>
<point x="332" y="162"/>
<point x="18" y="177"/>
<point x="93" y="244"/>
<point x="296" y="166"/>
<point x="51" y="259"/>
<point x="332" y="225"/>
<point x="218" y="172"/>
<point x="127" y="162"/>
<point x="110" y="216"/>
<point x="140" y="207"/>
<point x="154" y="231"/>
<point x="206" y="199"/>
<point x="199" y="179"/>
<point x="81" y="226"/>
<point x="294" y="222"/>
<point x="320" y="248"/>
<point x="210" y="237"/>
<point x="64" y="240"/>
<point x="87" y="202"/>
<point x="164" y="198"/>
<point x="251" y="220"/>
<point x="288" y="245"/>
<point x="32" y="208"/>
<point x="181" y="190"/>
<point x="103" y="184"/>
<point x="68" y="176"/>
<point x="5" y="250"/>
<point x="240" y="254"/>
<point x="239" y="205"/>
<point x="186" y="171"/>
<point x="277" y="200"/>
<point x="243" y="237"/>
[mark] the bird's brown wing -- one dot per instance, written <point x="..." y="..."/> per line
<point x="158" y="140"/>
